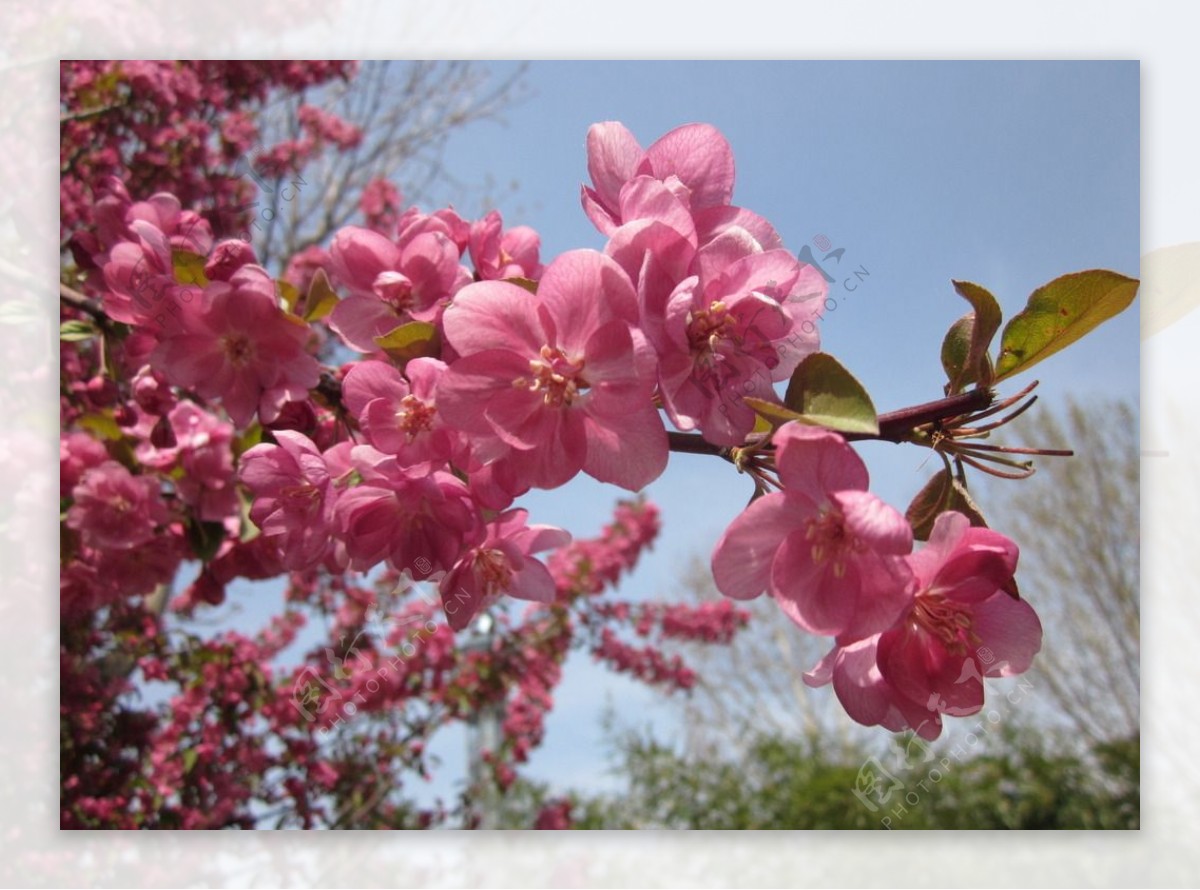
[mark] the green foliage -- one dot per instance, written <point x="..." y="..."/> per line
<point x="409" y="341"/>
<point x="1017" y="782"/>
<point x="823" y="393"/>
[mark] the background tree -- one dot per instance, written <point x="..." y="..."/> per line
<point x="1078" y="523"/>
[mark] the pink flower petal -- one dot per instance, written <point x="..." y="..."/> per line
<point x="741" y="561"/>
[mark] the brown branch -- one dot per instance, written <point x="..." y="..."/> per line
<point x="894" y="426"/>
<point x="83" y="303"/>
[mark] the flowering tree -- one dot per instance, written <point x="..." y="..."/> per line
<point x="365" y="423"/>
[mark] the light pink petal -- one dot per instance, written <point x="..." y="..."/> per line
<point x="815" y="461"/>
<point x="609" y="356"/>
<point x="584" y="290"/>
<point x="821" y="673"/>
<point x="808" y="592"/>
<point x="885" y="590"/>
<point x="773" y="272"/>
<point x="711" y="221"/>
<point x="1011" y="629"/>
<point x="468" y="386"/>
<point x="631" y="453"/>
<point x="741" y="561"/>
<point x="858" y="685"/>
<point x="723" y="251"/>
<point x="358" y="320"/>
<point x="604" y="220"/>
<point x="494" y="315"/>
<point x="358" y="255"/>
<point x="371" y="380"/>
<point x="880" y="526"/>
<point x="533" y="582"/>
<point x="702" y="159"/>
<point x="613" y="154"/>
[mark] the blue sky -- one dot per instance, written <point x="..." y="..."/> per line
<point x="1006" y="174"/>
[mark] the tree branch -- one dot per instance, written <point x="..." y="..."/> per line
<point x="894" y="426"/>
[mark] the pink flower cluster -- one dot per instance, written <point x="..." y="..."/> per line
<point x="914" y="633"/>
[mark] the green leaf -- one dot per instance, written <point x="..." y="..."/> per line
<point x="773" y="413"/>
<point x="1059" y="313"/>
<point x="287" y="292"/>
<point x="189" y="267"/>
<point x="941" y="493"/>
<point x="986" y="322"/>
<point x="190" y="756"/>
<point x="77" y="329"/>
<point x="956" y="347"/>
<point x="321" y="298"/>
<point x="409" y="341"/>
<point x="825" y="394"/>
<point x="102" y="424"/>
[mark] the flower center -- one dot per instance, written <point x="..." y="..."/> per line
<point x="302" y="497"/>
<point x="558" y="378"/>
<point x="707" y="327"/>
<point x="948" y="621"/>
<point x="831" y="540"/>
<point x="395" y="289"/>
<point x="239" y="349"/>
<point x="493" y="569"/>
<point x="415" y="416"/>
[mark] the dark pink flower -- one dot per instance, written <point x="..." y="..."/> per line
<point x="502" y="563"/>
<point x="694" y="161"/>
<point x="293" y="497"/>
<point x="499" y="253"/>
<point x="964" y="624"/>
<point x="391" y="285"/>
<point x="734" y="335"/>
<point x="562" y="378"/>
<point x="828" y="550"/>
<point x="402" y="516"/>
<point x="239" y="346"/>
<point x="115" y="510"/>
<point x="400" y="416"/>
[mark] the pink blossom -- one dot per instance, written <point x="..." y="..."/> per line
<point x="77" y="453"/>
<point x="735" y="335"/>
<point x="829" y="551"/>
<point x="391" y="285"/>
<point x="293" y="497"/>
<point x="239" y="346"/>
<point x="115" y="510"/>
<point x="561" y="377"/>
<point x="204" y="447"/>
<point x="400" y="416"/>
<point x="866" y="694"/>
<point x="502" y="563"/>
<point x="401" y="516"/>
<point x="964" y="623"/>
<point x="694" y="161"/>
<point x="500" y="253"/>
